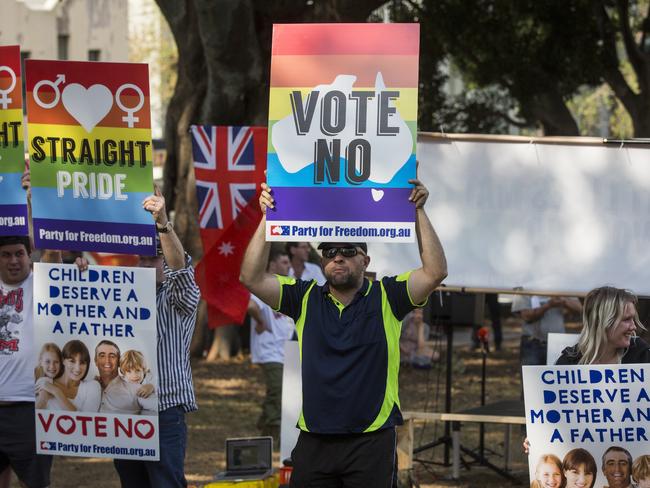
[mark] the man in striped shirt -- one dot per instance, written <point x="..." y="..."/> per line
<point x="177" y="299"/>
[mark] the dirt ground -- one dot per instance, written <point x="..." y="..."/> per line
<point x="229" y="395"/>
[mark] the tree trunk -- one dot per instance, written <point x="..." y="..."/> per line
<point x="554" y="115"/>
<point x="178" y="176"/>
<point x="197" y="346"/>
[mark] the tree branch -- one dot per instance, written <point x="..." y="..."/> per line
<point x="612" y="73"/>
<point x="638" y="59"/>
<point x="358" y="10"/>
<point x="551" y="110"/>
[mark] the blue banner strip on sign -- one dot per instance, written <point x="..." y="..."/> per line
<point x="13" y="220"/>
<point x="343" y="204"/>
<point x="76" y="235"/>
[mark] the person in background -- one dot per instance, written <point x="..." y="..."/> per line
<point x="177" y="301"/>
<point x="541" y="315"/>
<point x="17" y="353"/>
<point x="608" y="336"/>
<point x="269" y="331"/>
<point x="412" y="342"/>
<point x="301" y="268"/>
<point x="609" y="326"/>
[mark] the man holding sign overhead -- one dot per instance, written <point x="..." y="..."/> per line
<point x="348" y="331"/>
<point x="177" y="300"/>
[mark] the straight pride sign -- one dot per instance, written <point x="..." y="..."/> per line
<point x="342" y="132"/>
<point x="90" y="156"/>
<point x="13" y="205"/>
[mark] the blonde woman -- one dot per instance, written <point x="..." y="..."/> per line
<point x="609" y="325"/>
<point x="608" y="336"/>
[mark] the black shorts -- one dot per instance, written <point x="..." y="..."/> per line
<point x="344" y="460"/>
<point x="18" y="445"/>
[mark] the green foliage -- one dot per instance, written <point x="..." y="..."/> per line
<point x="531" y="64"/>
<point x="594" y="108"/>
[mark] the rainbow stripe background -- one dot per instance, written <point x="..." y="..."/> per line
<point x="51" y="212"/>
<point x="307" y="55"/>
<point x="13" y="203"/>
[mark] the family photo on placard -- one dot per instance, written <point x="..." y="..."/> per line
<point x="123" y="382"/>
<point x="578" y="469"/>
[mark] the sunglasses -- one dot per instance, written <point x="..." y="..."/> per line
<point x="346" y="252"/>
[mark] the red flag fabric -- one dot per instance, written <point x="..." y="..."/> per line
<point x="229" y="165"/>
<point x="218" y="271"/>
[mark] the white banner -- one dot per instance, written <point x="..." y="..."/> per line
<point x="548" y="217"/>
<point x="587" y="423"/>
<point x="96" y="367"/>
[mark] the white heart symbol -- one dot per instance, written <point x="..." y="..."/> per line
<point x="377" y="194"/>
<point x="65" y="424"/>
<point x="87" y="106"/>
<point x="144" y="428"/>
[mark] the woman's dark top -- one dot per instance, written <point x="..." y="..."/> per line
<point x="638" y="352"/>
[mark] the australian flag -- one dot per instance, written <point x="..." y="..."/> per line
<point x="229" y="165"/>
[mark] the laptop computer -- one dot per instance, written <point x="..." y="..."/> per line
<point x="248" y="458"/>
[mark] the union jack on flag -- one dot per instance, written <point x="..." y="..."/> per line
<point x="229" y="166"/>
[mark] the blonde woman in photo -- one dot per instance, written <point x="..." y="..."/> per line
<point x="579" y="469"/>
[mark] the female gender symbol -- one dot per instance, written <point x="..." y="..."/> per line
<point x="55" y="88"/>
<point x="4" y="99"/>
<point x="129" y="118"/>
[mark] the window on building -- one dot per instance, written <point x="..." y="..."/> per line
<point x="62" y="46"/>
<point x="94" y="55"/>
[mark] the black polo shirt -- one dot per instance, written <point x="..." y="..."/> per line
<point x="349" y="354"/>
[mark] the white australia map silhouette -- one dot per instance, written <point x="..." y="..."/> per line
<point x="389" y="153"/>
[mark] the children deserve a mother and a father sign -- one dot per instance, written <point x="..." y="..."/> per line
<point x="342" y="132"/>
<point x="589" y="422"/>
<point x="96" y="364"/>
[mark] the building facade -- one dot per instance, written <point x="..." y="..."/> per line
<point x="76" y="30"/>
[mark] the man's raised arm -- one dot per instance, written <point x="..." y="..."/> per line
<point x="253" y="274"/>
<point x="424" y="280"/>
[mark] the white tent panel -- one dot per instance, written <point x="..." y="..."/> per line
<point x="548" y="217"/>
